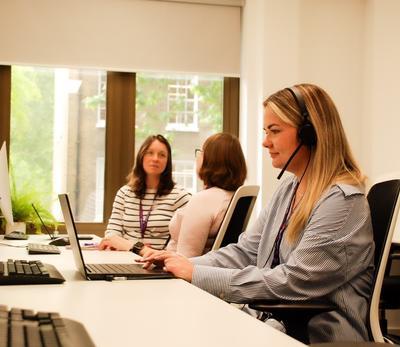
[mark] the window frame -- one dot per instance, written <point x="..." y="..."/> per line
<point x="120" y="130"/>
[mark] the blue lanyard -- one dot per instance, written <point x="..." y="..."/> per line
<point x="143" y="221"/>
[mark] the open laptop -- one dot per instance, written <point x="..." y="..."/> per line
<point x="103" y="271"/>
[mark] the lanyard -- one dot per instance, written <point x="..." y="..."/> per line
<point x="143" y="220"/>
<point x="282" y="228"/>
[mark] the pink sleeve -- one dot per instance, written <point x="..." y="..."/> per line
<point x="197" y="219"/>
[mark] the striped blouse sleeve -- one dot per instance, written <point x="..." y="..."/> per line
<point x="114" y="226"/>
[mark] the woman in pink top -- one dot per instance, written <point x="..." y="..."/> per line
<point x="222" y="168"/>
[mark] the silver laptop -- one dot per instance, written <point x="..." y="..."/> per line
<point x="103" y="271"/>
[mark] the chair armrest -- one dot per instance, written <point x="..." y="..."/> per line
<point x="394" y="251"/>
<point x="294" y="314"/>
<point x="394" y="255"/>
<point x="292" y="307"/>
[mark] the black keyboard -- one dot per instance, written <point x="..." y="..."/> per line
<point x="28" y="272"/>
<point x="19" y="327"/>
<point x="40" y="248"/>
<point x="16" y="235"/>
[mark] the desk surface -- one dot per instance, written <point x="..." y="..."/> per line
<point x="169" y="312"/>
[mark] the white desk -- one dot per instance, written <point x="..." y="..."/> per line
<point x="167" y="312"/>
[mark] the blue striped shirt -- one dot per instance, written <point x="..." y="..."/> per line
<point x="332" y="259"/>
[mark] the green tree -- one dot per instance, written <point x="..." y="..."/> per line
<point x="32" y="110"/>
<point x="211" y="95"/>
<point x="150" y="116"/>
<point x="151" y="104"/>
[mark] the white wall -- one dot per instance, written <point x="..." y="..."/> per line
<point x="251" y="93"/>
<point x="350" y="48"/>
<point x="313" y="41"/>
<point x="382" y="80"/>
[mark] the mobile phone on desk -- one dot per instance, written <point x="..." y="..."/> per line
<point x="87" y="246"/>
<point x="85" y="237"/>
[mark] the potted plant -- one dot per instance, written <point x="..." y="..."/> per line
<point x="23" y="213"/>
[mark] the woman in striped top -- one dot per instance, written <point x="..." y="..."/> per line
<point x="143" y="207"/>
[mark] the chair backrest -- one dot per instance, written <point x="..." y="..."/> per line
<point x="237" y="216"/>
<point x="384" y="202"/>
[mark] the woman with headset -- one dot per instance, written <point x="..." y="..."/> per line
<point x="314" y="239"/>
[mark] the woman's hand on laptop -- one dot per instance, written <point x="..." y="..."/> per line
<point x="115" y="243"/>
<point x="147" y="251"/>
<point x="178" y="265"/>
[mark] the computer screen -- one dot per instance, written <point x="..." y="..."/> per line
<point x="5" y="196"/>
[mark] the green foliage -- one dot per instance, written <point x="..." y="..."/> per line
<point x="22" y="210"/>
<point x="210" y="96"/>
<point x="152" y="114"/>
<point x="150" y="117"/>
<point x="92" y="102"/>
<point x="32" y="106"/>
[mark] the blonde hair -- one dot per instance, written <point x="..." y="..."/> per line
<point x="331" y="158"/>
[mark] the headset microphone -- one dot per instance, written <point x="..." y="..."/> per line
<point x="290" y="159"/>
<point x="306" y="131"/>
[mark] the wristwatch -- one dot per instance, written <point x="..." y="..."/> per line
<point x="137" y="247"/>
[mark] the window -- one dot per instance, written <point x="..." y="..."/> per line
<point x="185" y="174"/>
<point x="184" y="108"/>
<point x="75" y="131"/>
<point x="183" y="105"/>
<point x="56" y="144"/>
<point x="101" y="100"/>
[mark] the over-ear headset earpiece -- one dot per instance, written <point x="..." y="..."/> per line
<point x="306" y="131"/>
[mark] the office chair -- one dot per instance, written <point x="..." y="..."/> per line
<point x="384" y="205"/>
<point x="236" y="217"/>
<point x="390" y="299"/>
<point x="349" y="344"/>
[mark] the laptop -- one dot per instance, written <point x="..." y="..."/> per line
<point x="103" y="271"/>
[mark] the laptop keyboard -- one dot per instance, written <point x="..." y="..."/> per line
<point x="116" y="269"/>
<point x="19" y="327"/>
<point x="40" y="248"/>
<point x="28" y="272"/>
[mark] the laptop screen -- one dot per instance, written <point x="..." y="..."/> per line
<point x="72" y="233"/>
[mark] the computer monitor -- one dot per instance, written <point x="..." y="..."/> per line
<point x="5" y="195"/>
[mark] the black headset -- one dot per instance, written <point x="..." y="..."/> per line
<point x="306" y="131"/>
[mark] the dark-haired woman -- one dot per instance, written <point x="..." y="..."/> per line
<point x="143" y="207"/>
<point x="222" y="168"/>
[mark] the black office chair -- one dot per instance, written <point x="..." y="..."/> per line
<point x="384" y="205"/>
<point x="237" y="216"/>
<point x="390" y="299"/>
<point x="350" y="344"/>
